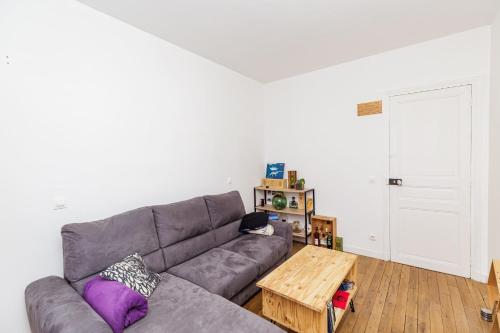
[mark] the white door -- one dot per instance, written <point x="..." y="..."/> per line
<point x="430" y="148"/>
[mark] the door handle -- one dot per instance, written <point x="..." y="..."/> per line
<point x="395" y="182"/>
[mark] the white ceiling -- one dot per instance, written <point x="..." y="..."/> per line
<point x="269" y="40"/>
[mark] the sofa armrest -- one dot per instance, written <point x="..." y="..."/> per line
<point x="53" y="306"/>
<point x="284" y="230"/>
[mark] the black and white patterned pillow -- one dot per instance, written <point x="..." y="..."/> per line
<point x="133" y="273"/>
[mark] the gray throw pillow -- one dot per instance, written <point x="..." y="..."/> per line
<point x="133" y="273"/>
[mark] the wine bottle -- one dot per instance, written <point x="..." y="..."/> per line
<point x="329" y="241"/>
<point x="316" y="237"/>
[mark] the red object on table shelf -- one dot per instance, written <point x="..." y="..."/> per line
<point x="340" y="298"/>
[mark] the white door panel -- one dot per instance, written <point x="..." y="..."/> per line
<point x="430" y="142"/>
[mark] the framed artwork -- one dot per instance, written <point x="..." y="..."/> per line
<point x="275" y="170"/>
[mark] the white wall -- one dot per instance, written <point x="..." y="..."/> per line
<point x="494" y="198"/>
<point x="313" y="127"/>
<point x="112" y="119"/>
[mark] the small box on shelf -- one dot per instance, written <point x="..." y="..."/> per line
<point x="274" y="183"/>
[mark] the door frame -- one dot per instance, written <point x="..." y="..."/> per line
<point x="479" y="169"/>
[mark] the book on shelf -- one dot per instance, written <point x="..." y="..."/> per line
<point x="331" y="316"/>
<point x="340" y="299"/>
<point x="273" y="217"/>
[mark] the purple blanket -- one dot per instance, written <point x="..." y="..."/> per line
<point x="116" y="303"/>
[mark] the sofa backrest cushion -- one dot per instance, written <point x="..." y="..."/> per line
<point x="225" y="208"/>
<point x="181" y="220"/>
<point x="227" y="233"/>
<point x="178" y="253"/>
<point x="91" y="247"/>
<point x="184" y="230"/>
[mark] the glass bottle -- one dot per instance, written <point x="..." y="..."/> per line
<point x="316" y="237"/>
<point x="329" y="241"/>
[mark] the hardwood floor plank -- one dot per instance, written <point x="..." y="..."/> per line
<point x="458" y="308"/>
<point x="483" y="290"/>
<point x="479" y="302"/>
<point x="412" y="303"/>
<point x="435" y="303"/>
<point x="365" y="312"/>
<point x="390" y="301"/>
<point x="398" y="321"/>
<point x="464" y="292"/>
<point x="424" y="322"/>
<point x="447" y="315"/>
<point x="435" y="318"/>
<point x="378" y="306"/>
<point x="470" y="307"/>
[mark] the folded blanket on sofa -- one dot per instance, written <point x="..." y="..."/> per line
<point x="116" y="303"/>
<point x="267" y="231"/>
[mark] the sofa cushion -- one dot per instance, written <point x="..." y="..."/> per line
<point x="265" y="250"/>
<point x="183" y="251"/>
<point x="90" y="247"/>
<point x="219" y="271"/>
<point x="133" y="273"/>
<point x="227" y="233"/>
<point x="181" y="220"/>
<point x="180" y="306"/>
<point x="224" y="208"/>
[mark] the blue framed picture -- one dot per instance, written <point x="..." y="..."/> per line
<point x="275" y="170"/>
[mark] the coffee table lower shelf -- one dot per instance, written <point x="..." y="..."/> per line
<point x="339" y="313"/>
<point x="279" y="309"/>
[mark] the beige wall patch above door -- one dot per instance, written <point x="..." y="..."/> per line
<point x="366" y="109"/>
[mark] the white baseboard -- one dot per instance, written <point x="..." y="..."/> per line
<point x="479" y="276"/>
<point x="476" y="274"/>
<point x="367" y="252"/>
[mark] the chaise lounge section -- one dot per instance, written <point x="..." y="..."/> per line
<point x="208" y="268"/>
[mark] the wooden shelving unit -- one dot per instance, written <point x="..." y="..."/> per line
<point x="301" y="211"/>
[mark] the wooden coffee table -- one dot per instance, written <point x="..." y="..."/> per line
<point x="295" y="294"/>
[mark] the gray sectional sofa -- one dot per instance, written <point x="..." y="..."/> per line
<point x="208" y="268"/>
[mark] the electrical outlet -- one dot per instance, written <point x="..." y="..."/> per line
<point x="372" y="238"/>
<point x="59" y="202"/>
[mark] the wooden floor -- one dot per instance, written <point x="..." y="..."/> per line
<point x="399" y="298"/>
